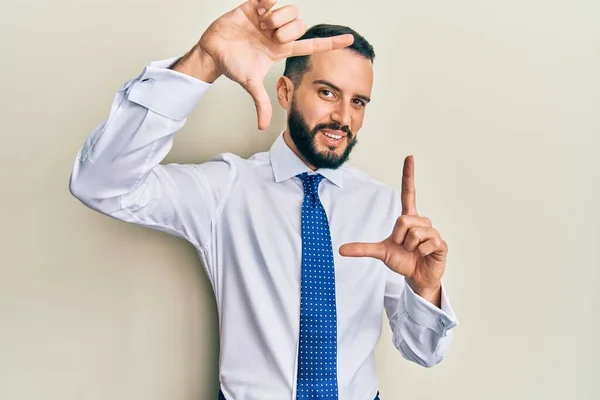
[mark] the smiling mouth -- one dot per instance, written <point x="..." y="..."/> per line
<point x="332" y="139"/>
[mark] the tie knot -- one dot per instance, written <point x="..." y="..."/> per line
<point x="311" y="182"/>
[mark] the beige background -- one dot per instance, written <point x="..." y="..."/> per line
<point x="498" y="101"/>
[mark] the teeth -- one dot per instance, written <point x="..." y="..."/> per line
<point x="332" y="136"/>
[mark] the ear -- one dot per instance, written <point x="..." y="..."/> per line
<point x="285" y="92"/>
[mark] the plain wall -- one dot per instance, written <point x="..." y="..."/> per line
<point x="498" y="101"/>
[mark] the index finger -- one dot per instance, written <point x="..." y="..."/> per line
<point x="409" y="202"/>
<point x="307" y="47"/>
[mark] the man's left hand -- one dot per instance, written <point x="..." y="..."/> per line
<point x="414" y="249"/>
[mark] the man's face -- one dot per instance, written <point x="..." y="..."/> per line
<point x="330" y="101"/>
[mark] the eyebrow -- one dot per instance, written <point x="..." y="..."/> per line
<point x="324" y="82"/>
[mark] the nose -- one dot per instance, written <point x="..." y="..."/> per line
<point x="341" y="115"/>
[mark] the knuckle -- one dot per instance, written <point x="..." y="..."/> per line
<point x="284" y="15"/>
<point x="268" y="4"/>
<point x="293" y="10"/>
<point x="278" y="36"/>
<point x="402" y="220"/>
<point x="413" y="234"/>
<point x="398" y="223"/>
<point x="274" y="21"/>
<point x="296" y="30"/>
<point x="281" y="36"/>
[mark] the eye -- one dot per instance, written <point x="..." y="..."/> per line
<point x="325" y="92"/>
<point x="360" y="102"/>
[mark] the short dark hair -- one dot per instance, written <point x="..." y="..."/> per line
<point x="295" y="67"/>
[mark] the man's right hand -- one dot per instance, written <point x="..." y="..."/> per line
<point x="244" y="43"/>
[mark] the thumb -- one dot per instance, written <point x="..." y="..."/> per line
<point x="264" y="110"/>
<point x="357" y="249"/>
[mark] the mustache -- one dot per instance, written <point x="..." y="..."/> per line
<point x="334" y="126"/>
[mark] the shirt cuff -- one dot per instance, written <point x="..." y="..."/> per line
<point x="427" y="314"/>
<point x="164" y="91"/>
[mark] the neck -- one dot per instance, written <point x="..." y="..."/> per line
<point x="288" y="140"/>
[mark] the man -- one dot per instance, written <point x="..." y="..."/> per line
<point x="290" y="238"/>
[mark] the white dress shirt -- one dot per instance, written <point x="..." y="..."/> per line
<point x="243" y="217"/>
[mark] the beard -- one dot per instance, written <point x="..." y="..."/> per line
<point x="305" y="140"/>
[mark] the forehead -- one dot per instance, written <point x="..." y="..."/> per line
<point x="346" y="69"/>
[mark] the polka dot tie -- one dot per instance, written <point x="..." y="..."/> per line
<point x="317" y="361"/>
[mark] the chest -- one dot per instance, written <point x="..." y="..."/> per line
<point x="260" y="230"/>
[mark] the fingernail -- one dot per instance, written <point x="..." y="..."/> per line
<point x="261" y="11"/>
<point x="263" y="25"/>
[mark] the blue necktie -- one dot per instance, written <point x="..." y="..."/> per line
<point x="317" y="361"/>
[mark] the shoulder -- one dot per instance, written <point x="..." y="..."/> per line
<point x="359" y="181"/>
<point x="236" y="164"/>
<point x="255" y="159"/>
<point x="357" y="177"/>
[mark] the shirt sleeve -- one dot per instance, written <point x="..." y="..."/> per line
<point x="421" y="331"/>
<point x="118" y="172"/>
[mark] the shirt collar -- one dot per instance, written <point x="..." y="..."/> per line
<point x="286" y="164"/>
